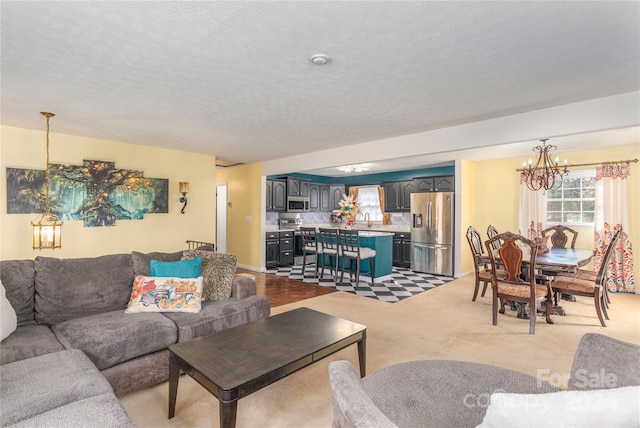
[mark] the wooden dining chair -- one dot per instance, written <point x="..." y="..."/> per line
<point x="495" y="245"/>
<point x="559" y="236"/>
<point x="515" y="251"/>
<point x="583" y="285"/>
<point x="328" y="246"/>
<point x="481" y="262"/>
<point x="351" y="251"/>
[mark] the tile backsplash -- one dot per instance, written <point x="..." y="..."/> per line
<point x="324" y="217"/>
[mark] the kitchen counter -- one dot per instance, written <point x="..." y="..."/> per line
<point x="374" y="233"/>
<point x="389" y="228"/>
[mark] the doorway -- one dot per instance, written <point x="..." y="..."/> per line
<point x="221" y="218"/>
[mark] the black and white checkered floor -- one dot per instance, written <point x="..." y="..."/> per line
<point x="402" y="282"/>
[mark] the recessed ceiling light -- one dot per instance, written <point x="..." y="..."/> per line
<point x="319" y="59"/>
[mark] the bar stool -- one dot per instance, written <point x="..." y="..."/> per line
<point x="309" y="247"/>
<point x="328" y="246"/>
<point x="350" y="249"/>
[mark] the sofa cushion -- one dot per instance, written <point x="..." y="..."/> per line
<point x="218" y="270"/>
<point x="141" y="260"/>
<point x="113" y="337"/>
<point x="18" y="278"/>
<point x="8" y="318"/>
<point x="179" y="269"/>
<point x="219" y="315"/>
<point x="98" y="411"/>
<point x="28" y="342"/>
<point x="73" y="288"/>
<point x="160" y="294"/>
<point x="36" y="385"/>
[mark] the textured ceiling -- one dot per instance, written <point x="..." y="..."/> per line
<point x="233" y="79"/>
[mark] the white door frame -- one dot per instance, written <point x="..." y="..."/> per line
<point x="221" y="218"/>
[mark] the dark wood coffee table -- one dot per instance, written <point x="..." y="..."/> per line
<point x="236" y="362"/>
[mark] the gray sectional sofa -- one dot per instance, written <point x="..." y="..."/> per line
<point x="72" y="310"/>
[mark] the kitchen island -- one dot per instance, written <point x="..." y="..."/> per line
<point x="382" y="243"/>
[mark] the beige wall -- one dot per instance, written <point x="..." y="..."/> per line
<point x="245" y="212"/>
<point x="497" y="195"/>
<point x="468" y="195"/>
<point x="24" y="148"/>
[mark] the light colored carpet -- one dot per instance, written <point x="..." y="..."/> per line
<point x="439" y="324"/>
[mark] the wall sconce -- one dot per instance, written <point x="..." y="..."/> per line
<point x="47" y="227"/>
<point x="184" y="189"/>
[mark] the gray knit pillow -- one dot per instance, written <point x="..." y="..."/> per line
<point x="218" y="270"/>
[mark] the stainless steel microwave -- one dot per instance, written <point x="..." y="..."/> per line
<point x="297" y="204"/>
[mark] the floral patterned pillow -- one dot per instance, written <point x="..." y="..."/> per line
<point x="165" y="294"/>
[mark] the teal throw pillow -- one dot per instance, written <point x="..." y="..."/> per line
<point x="180" y="269"/>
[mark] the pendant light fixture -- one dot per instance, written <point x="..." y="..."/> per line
<point x="545" y="172"/>
<point x="47" y="227"/>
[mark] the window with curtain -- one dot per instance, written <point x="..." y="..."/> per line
<point x="369" y="202"/>
<point x="572" y="201"/>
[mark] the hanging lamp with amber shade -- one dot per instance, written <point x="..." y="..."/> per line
<point x="47" y="227"/>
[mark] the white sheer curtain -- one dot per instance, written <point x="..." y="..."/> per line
<point x="533" y="207"/>
<point x="612" y="213"/>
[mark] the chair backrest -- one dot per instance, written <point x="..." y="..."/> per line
<point x="349" y="241"/>
<point x="514" y="250"/>
<point x="475" y="243"/>
<point x="495" y="245"/>
<point x="328" y="239"/>
<point x="607" y="257"/>
<point x="309" y="238"/>
<point x="559" y="236"/>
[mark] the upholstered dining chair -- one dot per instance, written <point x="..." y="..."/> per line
<point x="351" y="251"/>
<point x="589" y="284"/>
<point x="481" y="262"/>
<point x="328" y="246"/>
<point x="495" y="245"/>
<point x="515" y="251"/>
<point x="559" y="236"/>
<point x="309" y="248"/>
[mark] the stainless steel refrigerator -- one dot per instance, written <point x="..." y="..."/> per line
<point x="432" y="233"/>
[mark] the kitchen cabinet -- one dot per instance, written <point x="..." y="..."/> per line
<point x="272" y="249"/>
<point x="337" y="191"/>
<point x="319" y="197"/>
<point x="276" y="195"/>
<point x="397" y="195"/>
<point x="287" y="240"/>
<point x="297" y="186"/>
<point x="402" y="249"/>
<point x="325" y="198"/>
<point x="279" y="249"/>
<point x="445" y="183"/>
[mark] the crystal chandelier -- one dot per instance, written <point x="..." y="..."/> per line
<point x="47" y="227"/>
<point x="544" y="173"/>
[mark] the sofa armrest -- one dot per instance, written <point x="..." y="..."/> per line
<point x="604" y="362"/>
<point x="242" y="287"/>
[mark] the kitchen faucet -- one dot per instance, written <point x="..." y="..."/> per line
<point x="366" y="217"/>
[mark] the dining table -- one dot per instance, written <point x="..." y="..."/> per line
<point x="563" y="260"/>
